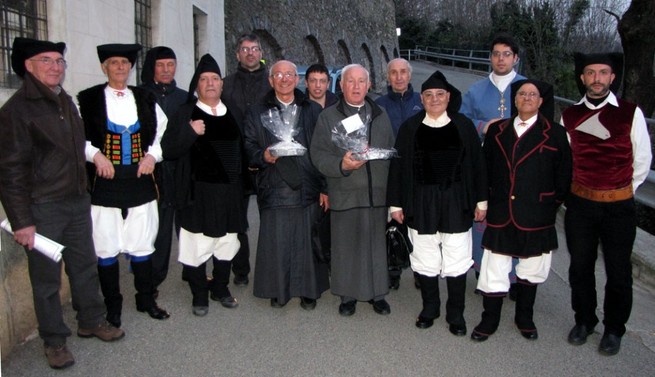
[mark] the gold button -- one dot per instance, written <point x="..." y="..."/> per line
<point x="513" y="197"/>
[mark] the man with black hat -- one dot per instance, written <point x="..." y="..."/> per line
<point x="124" y="126"/>
<point x="437" y="187"/>
<point x="529" y="168"/>
<point x="611" y="158"/>
<point x="206" y="141"/>
<point x="43" y="188"/>
<point x="158" y="76"/>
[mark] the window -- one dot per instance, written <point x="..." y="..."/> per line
<point x="19" y="18"/>
<point x="143" y="30"/>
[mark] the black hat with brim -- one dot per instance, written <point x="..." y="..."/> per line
<point x="25" y="48"/>
<point x="128" y="51"/>
<point x="612" y="59"/>
<point x="546" y="93"/>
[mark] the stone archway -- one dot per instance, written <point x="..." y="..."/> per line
<point x="343" y="55"/>
<point x="313" y="48"/>
<point x="271" y="49"/>
<point x="370" y="65"/>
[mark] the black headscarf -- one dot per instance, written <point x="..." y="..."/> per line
<point x="206" y="64"/>
<point x="154" y="54"/>
<point x="438" y="81"/>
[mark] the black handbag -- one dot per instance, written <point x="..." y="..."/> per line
<point x="398" y="246"/>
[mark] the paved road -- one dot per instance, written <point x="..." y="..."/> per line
<point x="257" y="340"/>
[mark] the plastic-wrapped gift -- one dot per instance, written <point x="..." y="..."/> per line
<point x="282" y="123"/>
<point x="351" y="134"/>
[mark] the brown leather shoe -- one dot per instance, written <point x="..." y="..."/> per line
<point x="59" y="357"/>
<point x="103" y="331"/>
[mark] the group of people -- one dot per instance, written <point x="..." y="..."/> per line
<point x="477" y="183"/>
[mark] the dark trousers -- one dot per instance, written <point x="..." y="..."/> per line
<point x="69" y="223"/>
<point x="241" y="261"/>
<point x="613" y="225"/>
<point x="162" y="254"/>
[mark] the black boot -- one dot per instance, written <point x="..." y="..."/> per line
<point x="526" y="293"/>
<point x="490" y="318"/>
<point x="197" y="279"/>
<point x="110" y="286"/>
<point x="455" y="304"/>
<point x="143" y="283"/>
<point x="218" y="286"/>
<point x="431" y="302"/>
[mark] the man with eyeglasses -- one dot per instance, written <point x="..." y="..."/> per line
<point x="289" y="193"/>
<point x="43" y="189"/>
<point x="317" y="81"/>
<point x="241" y="89"/>
<point x="488" y="101"/>
<point x="529" y="168"/>
<point x="124" y="126"/>
<point x="158" y="77"/>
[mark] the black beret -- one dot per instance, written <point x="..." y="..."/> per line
<point x="613" y="59"/>
<point x="25" y="48"/>
<point x="438" y="81"/>
<point x="546" y="93"/>
<point x="129" y="51"/>
<point x="206" y="64"/>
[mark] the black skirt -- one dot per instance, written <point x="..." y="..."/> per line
<point x="216" y="209"/>
<point x="509" y="240"/>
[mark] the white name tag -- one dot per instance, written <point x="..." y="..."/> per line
<point x="352" y="123"/>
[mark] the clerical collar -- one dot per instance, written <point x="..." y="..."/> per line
<point x="356" y="107"/>
<point x="502" y="82"/>
<point x="220" y="109"/>
<point x="285" y="104"/>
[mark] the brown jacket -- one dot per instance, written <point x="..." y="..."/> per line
<point x="41" y="150"/>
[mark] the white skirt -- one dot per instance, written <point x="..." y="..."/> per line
<point x="135" y="235"/>
<point x="196" y="248"/>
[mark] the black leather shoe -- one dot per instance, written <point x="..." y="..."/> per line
<point x="277" y="304"/>
<point x="424" y="322"/>
<point x="478" y="337"/>
<point x="530" y="335"/>
<point x="155" y="312"/>
<point x="381" y="306"/>
<point x="609" y="344"/>
<point x="241" y="280"/>
<point x="458" y="330"/>
<point x="307" y="303"/>
<point x="579" y="333"/>
<point x="394" y="284"/>
<point x="227" y="301"/>
<point x="347" y="308"/>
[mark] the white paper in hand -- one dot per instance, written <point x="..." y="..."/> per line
<point x="45" y="246"/>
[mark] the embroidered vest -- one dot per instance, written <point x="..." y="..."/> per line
<point x="602" y="164"/>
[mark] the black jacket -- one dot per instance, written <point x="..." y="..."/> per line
<point x="273" y="191"/>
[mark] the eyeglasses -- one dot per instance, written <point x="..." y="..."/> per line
<point x="504" y="54"/>
<point x="247" y="50"/>
<point x="286" y="75"/>
<point x="49" y="61"/>
<point x="526" y="95"/>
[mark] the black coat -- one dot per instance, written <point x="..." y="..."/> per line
<point x="401" y="186"/>
<point x="529" y="176"/>
<point x="271" y="188"/>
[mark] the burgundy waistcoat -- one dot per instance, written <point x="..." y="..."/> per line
<point x="602" y="164"/>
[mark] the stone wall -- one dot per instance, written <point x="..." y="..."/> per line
<point x="335" y="33"/>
